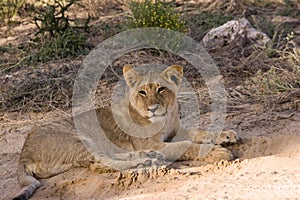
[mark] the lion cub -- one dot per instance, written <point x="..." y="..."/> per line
<point x="150" y="106"/>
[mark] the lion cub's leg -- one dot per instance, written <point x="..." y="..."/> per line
<point x="217" y="154"/>
<point x="186" y="150"/>
<point x="207" y="152"/>
<point x="200" y="136"/>
<point x="204" y="137"/>
<point x="130" y="160"/>
<point x="151" y="154"/>
<point x="29" y="183"/>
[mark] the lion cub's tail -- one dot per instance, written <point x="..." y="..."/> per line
<point x="29" y="183"/>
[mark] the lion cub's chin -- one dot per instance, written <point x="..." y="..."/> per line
<point x="160" y="119"/>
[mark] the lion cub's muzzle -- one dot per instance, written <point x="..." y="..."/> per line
<point x="156" y="110"/>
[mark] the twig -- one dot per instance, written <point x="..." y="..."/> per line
<point x="15" y="65"/>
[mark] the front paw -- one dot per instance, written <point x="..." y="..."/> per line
<point x="217" y="154"/>
<point x="152" y="158"/>
<point x="227" y="137"/>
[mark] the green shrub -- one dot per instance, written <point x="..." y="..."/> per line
<point x="67" y="44"/>
<point x="290" y="9"/>
<point x="52" y="18"/>
<point x="8" y="8"/>
<point x="56" y="37"/>
<point x="155" y="14"/>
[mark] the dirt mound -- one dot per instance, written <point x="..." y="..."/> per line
<point x="283" y="145"/>
<point x="268" y="167"/>
<point x="259" y="178"/>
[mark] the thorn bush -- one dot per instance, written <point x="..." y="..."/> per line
<point x="56" y="37"/>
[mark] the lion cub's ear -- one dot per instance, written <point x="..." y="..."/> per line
<point x="173" y="74"/>
<point x="131" y="76"/>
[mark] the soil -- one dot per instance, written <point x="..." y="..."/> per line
<point x="267" y="164"/>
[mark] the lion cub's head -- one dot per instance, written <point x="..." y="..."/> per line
<point x="153" y="95"/>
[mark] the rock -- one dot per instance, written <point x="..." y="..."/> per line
<point x="234" y="33"/>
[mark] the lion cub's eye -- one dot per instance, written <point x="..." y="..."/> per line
<point x="142" y="93"/>
<point x="161" y="90"/>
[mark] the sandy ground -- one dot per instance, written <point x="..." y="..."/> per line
<point x="268" y="166"/>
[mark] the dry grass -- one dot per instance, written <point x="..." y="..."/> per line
<point x="251" y="73"/>
<point x="279" y="80"/>
<point x="39" y="89"/>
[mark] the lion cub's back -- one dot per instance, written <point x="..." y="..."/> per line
<point x="53" y="148"/>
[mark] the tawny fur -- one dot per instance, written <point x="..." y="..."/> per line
<point x="54" y="148"/>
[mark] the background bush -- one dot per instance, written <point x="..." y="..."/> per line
<point x="155" y="14"/>
<point x="56" y="38"/>
<point x="8" y="8"/>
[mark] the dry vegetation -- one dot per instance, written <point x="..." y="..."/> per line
<point x="38" y="80"/>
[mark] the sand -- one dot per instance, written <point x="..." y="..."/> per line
<point x="268" y="166"/>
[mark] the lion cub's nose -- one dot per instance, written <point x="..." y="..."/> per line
<point x="153" y="108"/>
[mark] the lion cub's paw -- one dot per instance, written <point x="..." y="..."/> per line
<point x="227" y="137"/>
<point x="130" y="156"/>
<point x="148" y="154"/>
<point x="150" y="158"/>
<point x="154" y="154"/>
<point x="217" y="154"/>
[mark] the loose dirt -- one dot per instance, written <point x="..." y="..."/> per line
<point x="268" y="166"/>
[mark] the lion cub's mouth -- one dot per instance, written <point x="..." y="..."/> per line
<point x="157" y="113"/>
<point x="158" y="116"/>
